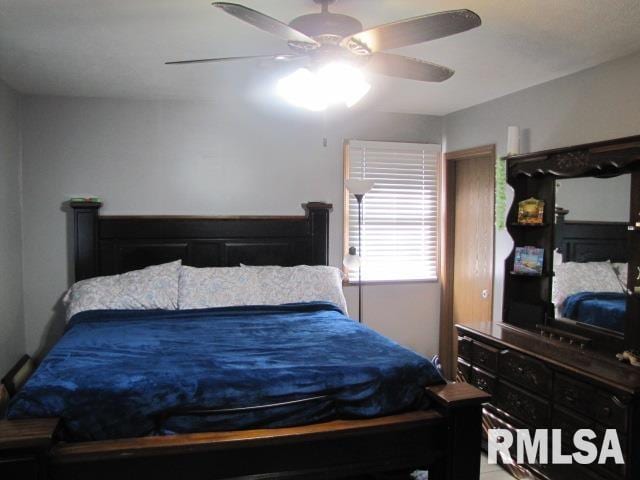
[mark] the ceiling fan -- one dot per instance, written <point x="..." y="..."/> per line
<point x="328" y="37"/>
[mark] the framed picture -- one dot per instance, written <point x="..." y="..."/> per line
<point x="528" y="260"/>
<point x="531" y="211"/>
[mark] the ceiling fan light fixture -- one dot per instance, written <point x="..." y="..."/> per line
<point x="335" y="83"/>
<point x="302" y="89"/>
<point x="343" y="83"/>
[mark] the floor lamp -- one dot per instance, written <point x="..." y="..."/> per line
<point x="358" y="187"/>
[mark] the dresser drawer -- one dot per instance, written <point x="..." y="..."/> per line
<point x="464" y="370"/>
<point x="483" y="380"/>
<point x="569" y="422"/>
<point x="610" y="465"/>
<point x="609" y="410"/>
<point x="465" y="345"/>
<point x="526" y="371"/>
<point x="485" y="356"/>
<point x="531" y="409"/>
<point x="574" y="394"/>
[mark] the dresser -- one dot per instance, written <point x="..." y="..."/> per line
<point x="538" y="382"/>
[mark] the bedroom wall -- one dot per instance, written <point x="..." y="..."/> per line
<point x="12" y="332"/>
<point x="596" y="104"/>
<point x="170" y="157"/>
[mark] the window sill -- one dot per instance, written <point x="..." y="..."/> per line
<point x="348" y="283"/>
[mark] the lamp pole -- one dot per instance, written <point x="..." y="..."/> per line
<point x="358" y="187"/>
<point x="359" y="198"/>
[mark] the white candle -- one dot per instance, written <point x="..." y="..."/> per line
<point x="513" y="140"/>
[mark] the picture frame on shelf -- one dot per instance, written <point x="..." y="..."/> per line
<point x="528" y="261"/>
<point x="531" y="212"/>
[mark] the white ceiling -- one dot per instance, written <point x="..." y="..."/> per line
<point x="116" y="48"/>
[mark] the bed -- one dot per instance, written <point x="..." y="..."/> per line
<point x="290" y="430"/>
<point x="602" y="300"/>
<point x="600" y="309"/>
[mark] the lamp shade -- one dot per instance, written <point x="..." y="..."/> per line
<point x="359" y="186"/>
<point x="351" y="260"/>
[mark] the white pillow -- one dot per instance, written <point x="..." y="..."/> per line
<point x="557" y="257"/>
<point x="232" y="286"/>
<point x="215" y="287"/>
<point x="622" y="271"/>
<point x="574" y="277"/>
<point x="154" y="287"/>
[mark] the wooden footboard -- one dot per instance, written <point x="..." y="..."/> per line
<point x="444" y="439"/>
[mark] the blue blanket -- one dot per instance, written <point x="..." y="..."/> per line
<point x="132" y="373"/>
<point x="601" y="309"/>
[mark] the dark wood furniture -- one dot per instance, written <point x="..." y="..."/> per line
<point x="106" y="245"/>
<point x="18" y="375"/>
<point x="542" y="381"/>
<point x="527" y="299"/>
<point x="445" y="438"/>
<point x="538" y="382"/>
<point x="580" y="241"/>
<point x="24" y="448"/>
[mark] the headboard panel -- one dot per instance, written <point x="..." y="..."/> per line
<point x="107" y="245"/>
<point x="591" y="241"/>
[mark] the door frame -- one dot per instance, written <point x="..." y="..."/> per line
<point x="447" y="342"/>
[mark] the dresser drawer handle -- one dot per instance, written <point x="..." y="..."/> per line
<point x="570" y="396"/>
<point x="617" y="401"/>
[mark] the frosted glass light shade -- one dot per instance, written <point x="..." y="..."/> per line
<point x="359" y="186"/>
<point x="334" y="83"/>
<point x="351" y="260"/>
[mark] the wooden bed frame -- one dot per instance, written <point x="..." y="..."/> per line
<point x="444" y="439"/>
<point x="582" y="241"/>
<point x="592" y="241"/>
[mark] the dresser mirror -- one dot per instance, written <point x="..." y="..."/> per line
<point x="584" y="244"/>
<point x="591" y="252"/>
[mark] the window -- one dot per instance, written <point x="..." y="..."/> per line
<point x="400" y="213"/>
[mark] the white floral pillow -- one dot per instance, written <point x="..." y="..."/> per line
<point x="622" y="271"/>
<point x="216" y="287"/>
<point x="232" y="286"/>
<point x="302" y="283"/>
<point x="574" y="277"/>
<point x="154" y="287"/>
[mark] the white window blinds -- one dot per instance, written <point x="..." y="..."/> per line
<point x="400" y="213"/>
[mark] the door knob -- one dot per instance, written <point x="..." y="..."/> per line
<point x="484" y="293"/>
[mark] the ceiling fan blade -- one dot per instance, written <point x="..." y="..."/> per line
<point x="411" y="31"/>
<point x="268" y="24"/>
<point x="406" y="67"/>
<point x="232" y="59"/>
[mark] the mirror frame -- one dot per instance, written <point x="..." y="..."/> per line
<point x="527" y="301"/>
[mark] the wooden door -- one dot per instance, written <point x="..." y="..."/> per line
<point x="473" y="245"/>
<point x="467" y="241"/>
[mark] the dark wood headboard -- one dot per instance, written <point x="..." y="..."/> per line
<point x="107" y="245"/>
<point x="591" y="241"/>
